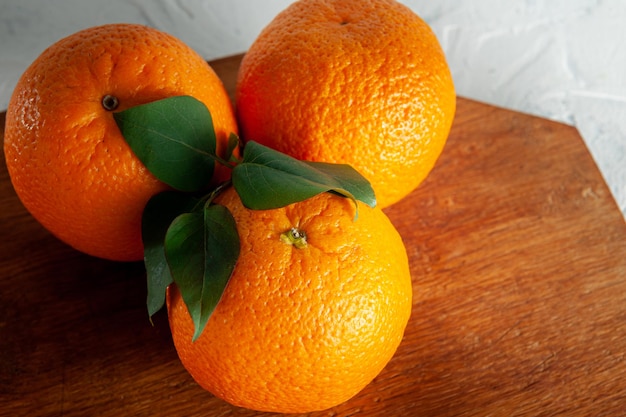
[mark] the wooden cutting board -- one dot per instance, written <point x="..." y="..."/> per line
<point x="518" y="257"/>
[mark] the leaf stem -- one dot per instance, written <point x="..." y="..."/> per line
<point x="217" y="190"/>
<point x="224" y="162"/>
<point x="206" y="199"/>
<point x="231" y="160"/>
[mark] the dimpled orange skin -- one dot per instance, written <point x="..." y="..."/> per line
<point x="67" y="160"/>
<point x="362" y="82"/>
<point x="299" y="330"/>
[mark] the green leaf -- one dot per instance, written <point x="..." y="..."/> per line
<point x="158" y="214"/>
<point x="202" y="249"/>
<point x="267" y="179"/>
<point x="174" y="138"/>
<point x="349" y="179"/>
<point x="233" y="143"/>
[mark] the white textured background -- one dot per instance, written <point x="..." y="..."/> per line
<point x="560" y="59"/>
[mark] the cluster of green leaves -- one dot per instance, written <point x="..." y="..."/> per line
<point x="188" y="239"/>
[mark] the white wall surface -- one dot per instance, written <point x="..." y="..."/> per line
<point x="560" y="59"/>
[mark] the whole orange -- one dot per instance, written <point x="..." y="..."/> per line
<point x="362" y="82"/>
<point x="67" y="160"/>
<point x="301" y="327"/>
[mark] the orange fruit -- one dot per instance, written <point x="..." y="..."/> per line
<point x="67" y="160"/>
<point x="300" y="329"/>
<point x="362" y="82"/>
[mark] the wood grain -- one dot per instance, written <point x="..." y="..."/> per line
<point x="518" y="257"/>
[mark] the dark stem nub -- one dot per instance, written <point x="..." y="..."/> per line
<point x="110" y="102"/>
